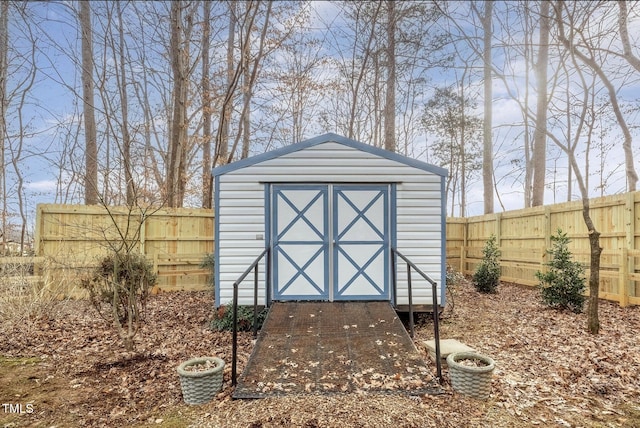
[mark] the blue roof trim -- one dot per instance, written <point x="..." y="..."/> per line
<point x="326" y="138"/>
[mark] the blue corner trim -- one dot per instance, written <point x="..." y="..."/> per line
<point x="267" y="244"/>
<point x="326" y="138"/>
<point x="216" y="237"/>
<point x="393" y="232"/>
<point x="443" y="243"/>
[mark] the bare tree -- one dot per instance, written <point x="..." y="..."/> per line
<point x="251" y="66"/>
<point x="624" y="35"/>
<point x="632" y="176"/>
<point x="91" y="146"/>
<point x="233" y="75"/>
<point x="390" y="101"/>
<point x="17" y="155"/>
<point x="207" y="191"/>
<point x="590" y="61"/>
<point x="366" y="17"/>
<point x="366" y="66"/>
<point x="593" y="323"/>
<point x="300" y="89"/>
<point x="539" y="135"/>
<point x="176" y="168"/>
<point x="124" y="106"/>
<point x="487" y="153"/>
<point x="457" y="142"/>
<point x="261" y="29"/>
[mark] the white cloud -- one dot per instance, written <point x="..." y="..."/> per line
<point x="41" y="186"/>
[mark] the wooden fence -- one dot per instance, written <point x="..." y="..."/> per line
<point x="72" y="238"/>
<point x="523" y="237"/>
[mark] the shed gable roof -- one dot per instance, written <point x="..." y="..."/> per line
<point x="326" y="138"/>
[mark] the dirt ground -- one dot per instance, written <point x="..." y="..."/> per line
<point x="69" y="369"/>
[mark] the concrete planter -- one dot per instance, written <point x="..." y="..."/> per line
<point x="474" y="379"/>
<point x="200" y="385"/>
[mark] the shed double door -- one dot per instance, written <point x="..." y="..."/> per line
<point x="330" y="242"/>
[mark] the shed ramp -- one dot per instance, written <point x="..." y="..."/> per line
<point x="334" y="347"/>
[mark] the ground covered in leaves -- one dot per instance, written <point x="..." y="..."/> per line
<point x="69" y="369"/>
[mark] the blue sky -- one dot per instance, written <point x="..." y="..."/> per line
<point x="52" y="104"/>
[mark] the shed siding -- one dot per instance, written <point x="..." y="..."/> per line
<point x="241" y="211"/>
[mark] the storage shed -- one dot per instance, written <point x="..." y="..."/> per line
<point x="329" y="209"/>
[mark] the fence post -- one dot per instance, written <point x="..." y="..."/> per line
<point x="629" y="263"/>
<point x="547" y="228"/>
<point x="463" y="249"/>
<point x="498" y="229"/>
<point x="623" y="287"/>
<point x="463" y="258"/>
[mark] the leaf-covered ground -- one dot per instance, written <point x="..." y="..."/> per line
<point x="72" y="371"/>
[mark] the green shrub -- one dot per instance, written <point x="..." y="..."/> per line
<point x="209" y="262"/>
<point x="118" y="289"/>
<point x="487" y="276"/>
<point x="223" y="318"/>
<point x="563" y="285"/>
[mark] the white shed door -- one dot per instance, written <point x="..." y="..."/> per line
<point x="300" y="250"/>
<point x="360" y="243"/>
<point x="353" y="257"/>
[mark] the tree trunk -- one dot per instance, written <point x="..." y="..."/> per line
<point x="528" y="148"/>
<point x="207" y="193"/>
<point x="175" y="172"/>
<point x="124" y="103"/>
<point x="540" y="132"/>
<point x="593" y="320"/>
<point x="355" y="90"/>
<point x="250" y="75"/>
<point x="234" y="71"/>
<point x="487" y="153"/>
<point x="246" y="102"/>
<point x="390" y="102"/>
<point x="91" y="147"/>
<point x="222" y="145"/>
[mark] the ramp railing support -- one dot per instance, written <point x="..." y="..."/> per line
<point x="434" y="294"/>
<point x="254" y="268"/>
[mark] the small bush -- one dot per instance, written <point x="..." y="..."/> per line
<point x="487" y="276"/>
<point x="118" y="289"/>
<point x="454" y="279"/>
<point x="223" y="318"/>
<point x="563" y="285"/>
<point x="209" y="262"/>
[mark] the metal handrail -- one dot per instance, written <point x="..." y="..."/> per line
<point x="252" y="267"/>
<point x="434" y="294"/>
